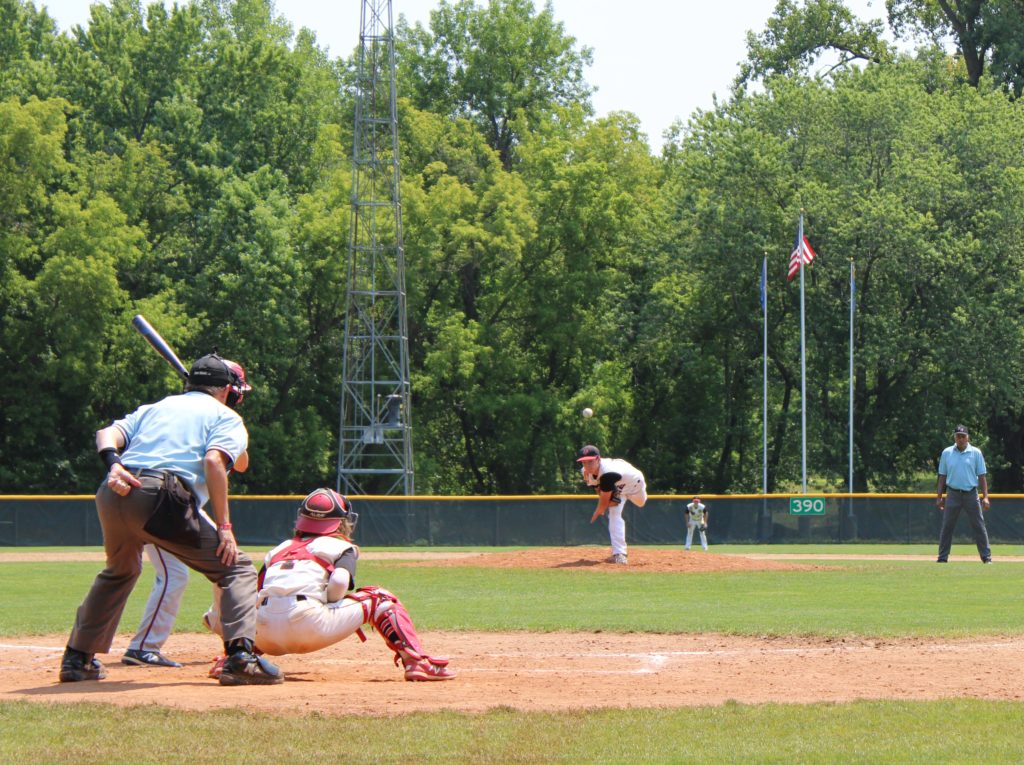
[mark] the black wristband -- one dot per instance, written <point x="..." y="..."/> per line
<point x="109" y="457"/>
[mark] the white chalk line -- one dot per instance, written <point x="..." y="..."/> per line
<point x="651" y="662"/>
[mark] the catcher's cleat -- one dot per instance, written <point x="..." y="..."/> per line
<point x="218" y="667"/>
<point x="135" y="658"/>
<point x="244" y="668"/>
<point x="428" y="669"/>
<point x="77" y="666"/>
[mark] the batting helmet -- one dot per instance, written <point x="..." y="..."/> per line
<point x="212" y="371"/>
<point x="322" y="512"/>
<point x="238" y="386"/>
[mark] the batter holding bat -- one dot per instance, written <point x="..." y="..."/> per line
<point x="615" y="481"/>
<point x="308" y="600"/>
<point x="165" y="462"/>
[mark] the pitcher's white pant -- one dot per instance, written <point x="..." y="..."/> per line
<point x="690" y="526"/>
<point x="164" y="600"/>
<point x="286" y="624"/>
<point x="616" y="523"/>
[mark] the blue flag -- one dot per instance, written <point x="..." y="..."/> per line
<point x="764" y="285"/>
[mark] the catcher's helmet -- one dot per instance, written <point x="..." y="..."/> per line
<point x="322" y="512"/>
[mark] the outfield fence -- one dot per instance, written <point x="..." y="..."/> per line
<point x="549" y="520"/>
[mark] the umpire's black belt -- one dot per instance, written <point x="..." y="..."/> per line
<point x="147" y="472"/>
<point x="963" y="491"/>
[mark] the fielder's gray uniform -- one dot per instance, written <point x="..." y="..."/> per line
<point x="695" y="520"/>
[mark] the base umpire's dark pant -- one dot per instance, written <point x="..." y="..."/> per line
<point x="122" y="520"/>
<point x="957" y="500"/>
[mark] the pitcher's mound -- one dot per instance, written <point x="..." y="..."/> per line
<point x="599" y="559"/>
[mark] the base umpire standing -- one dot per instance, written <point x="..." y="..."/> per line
<point x="961" y="471"/>
<point x="176" y="455"/>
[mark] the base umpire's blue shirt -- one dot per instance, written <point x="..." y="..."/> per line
<point x="962" y="468"/>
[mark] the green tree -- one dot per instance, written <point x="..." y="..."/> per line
<point x="891" y="173"/>
<point x="796" y="35"/>
<point x="986" y="33"/>
<point x="27" y="42"/>
<point x="502" y="65"/>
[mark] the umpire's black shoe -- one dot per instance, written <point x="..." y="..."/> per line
<point x="136" y="658"/>
<point x="244" y="668"/>
<point x="76" y="666"/>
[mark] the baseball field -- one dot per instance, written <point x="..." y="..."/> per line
<point x="796" y="654"/>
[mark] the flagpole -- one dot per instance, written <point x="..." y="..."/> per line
<point x="851" y="519"/>
<point x="764" y="525"/>
<point x="764" y="391"/>
<point x="853" y="303"/>
<point x="803" y="365"/>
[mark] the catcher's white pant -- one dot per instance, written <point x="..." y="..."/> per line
<point x="690" y="526"/>
<point x="616" y="523"/>
<point x="164" y="600"/>
<point x="288" y="625"/>
<point x="285" y="624"/>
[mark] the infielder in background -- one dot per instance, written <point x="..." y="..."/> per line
<point x="164" y="602"/>
<point x="308" y="600"/>
<point x="615" y="481"/>
<point x="961" y="471"/>
<point x="696" y="518"/>
<point x="174" y="456"/>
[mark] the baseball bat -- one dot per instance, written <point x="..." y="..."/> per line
<point x="159" y="345"/>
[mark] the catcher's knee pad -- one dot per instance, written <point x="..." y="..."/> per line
<point x="373" y="600"/>
<point x="389" y="617"/>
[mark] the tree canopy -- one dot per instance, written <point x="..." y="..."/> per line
<point x="191" y="163"/>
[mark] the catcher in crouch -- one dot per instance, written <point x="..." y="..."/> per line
<point x="307" y="599"/>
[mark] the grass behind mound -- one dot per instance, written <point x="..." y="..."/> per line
<point x="866" y="598"/>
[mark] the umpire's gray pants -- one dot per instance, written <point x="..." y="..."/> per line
<point x="957" y="500"/>
<point x="122" y="520"/>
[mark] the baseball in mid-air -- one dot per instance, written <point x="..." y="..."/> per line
<point x="587" y="412"/>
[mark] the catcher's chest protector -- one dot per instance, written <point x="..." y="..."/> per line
<point x="297" y="550"/>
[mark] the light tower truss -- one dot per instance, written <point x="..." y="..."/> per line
<point x="375" y="443"/>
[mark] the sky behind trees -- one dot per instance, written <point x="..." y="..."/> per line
<point x="660" y="59"/>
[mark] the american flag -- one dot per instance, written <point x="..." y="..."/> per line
<point x="802" y="251"/>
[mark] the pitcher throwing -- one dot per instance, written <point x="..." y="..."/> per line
<point x="615" y="481"/>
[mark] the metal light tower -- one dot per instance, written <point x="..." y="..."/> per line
<point x="375" y="444"/>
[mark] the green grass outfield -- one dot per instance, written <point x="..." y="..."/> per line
<point x="884" y="598"/>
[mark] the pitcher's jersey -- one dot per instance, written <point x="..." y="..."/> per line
<point x="614" y="473"/>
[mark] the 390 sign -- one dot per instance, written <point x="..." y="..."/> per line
<point x="806" y="505"/>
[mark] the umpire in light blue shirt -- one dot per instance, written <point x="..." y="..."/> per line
<point x="961" y="472"/>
